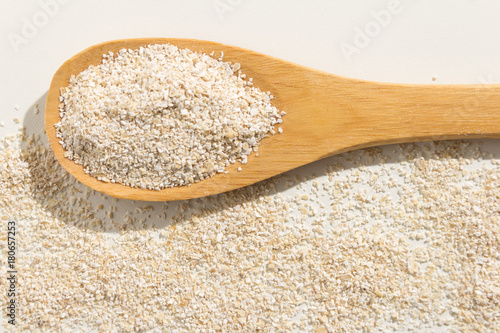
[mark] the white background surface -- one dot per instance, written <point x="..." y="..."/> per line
<point x="454" y="40"/>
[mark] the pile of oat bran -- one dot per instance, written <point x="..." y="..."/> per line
<point x="160" y="116"/>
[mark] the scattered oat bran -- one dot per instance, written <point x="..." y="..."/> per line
<point x="403" y="238"/>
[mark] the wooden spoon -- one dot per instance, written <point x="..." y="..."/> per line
<point x="326" y="115"/>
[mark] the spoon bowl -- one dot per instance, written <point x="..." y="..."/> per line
<point x="326" y="115"/>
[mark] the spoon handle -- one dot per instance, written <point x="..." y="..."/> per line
<point x="407" y="113"/>
<point x="346" y="114"/>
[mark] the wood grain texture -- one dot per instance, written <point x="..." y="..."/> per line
<point x="326" y="115"/>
